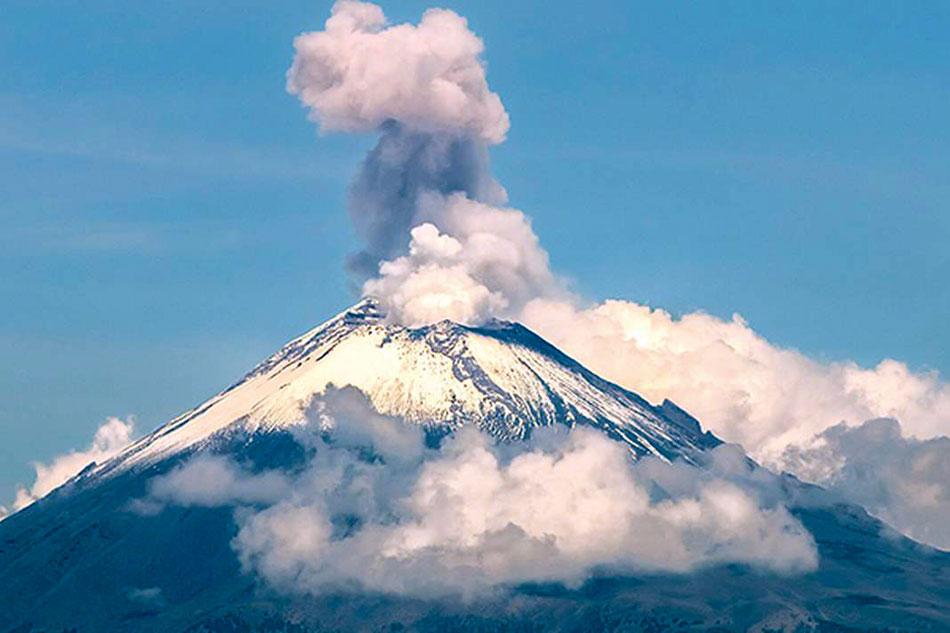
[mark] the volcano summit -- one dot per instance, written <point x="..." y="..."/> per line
<point x="500" y="377"/>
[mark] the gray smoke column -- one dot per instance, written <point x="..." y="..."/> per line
<point x="423" y="88"/>
<point x="404" y="165"/>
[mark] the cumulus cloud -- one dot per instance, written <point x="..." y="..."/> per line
<point x="433" y="283"/>
<point x="112" y="435"/>
<point x="358" y="73"/>
<point x="779" y="404"/>
<point x="582" y="504"/>
<point x="903" y="481"/>
<point x="742" y="387"/>
<point x="377" y="510"/>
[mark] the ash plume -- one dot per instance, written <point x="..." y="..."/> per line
<point x="423" y="89"/>
<point x="440" y="242"/>
<point x="405" y="165"/>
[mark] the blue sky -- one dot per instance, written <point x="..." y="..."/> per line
<point x="168" y="216"/>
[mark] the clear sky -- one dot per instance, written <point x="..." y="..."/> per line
<point x="168" y="216"/>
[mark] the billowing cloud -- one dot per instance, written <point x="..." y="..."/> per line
<point x="433" y="283"/>
<point x="358" y="73"/>
<point x="469" y="262"/>
<point x="739" y="385"/>
<point x="779" y="404"/>
<point x="113" y="435"/>
<point x="376" y="510"/>
<point x="903" y="481"/>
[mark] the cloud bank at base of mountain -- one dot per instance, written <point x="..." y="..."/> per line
<point x="376" y="510"/>
<point x="112" y="435"/>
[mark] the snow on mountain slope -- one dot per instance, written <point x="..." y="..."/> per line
<point x="501" y="377"/>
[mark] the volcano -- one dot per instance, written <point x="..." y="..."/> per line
<point x="80" y="560"/>
<point x="501" y="378"/>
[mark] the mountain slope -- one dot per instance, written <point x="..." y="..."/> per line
<point x="82" y="561"/>
<point x="501" y="377"/>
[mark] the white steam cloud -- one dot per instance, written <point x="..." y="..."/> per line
<point x="903" y="481"/>
<point x="470" y="262"/>
<point x="473" y="516"/>
<point x="113" y="435"/>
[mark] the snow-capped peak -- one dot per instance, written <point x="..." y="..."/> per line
<point x="500" y="377"/>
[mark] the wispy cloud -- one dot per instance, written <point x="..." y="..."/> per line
<point x="142" y="238"/>
<point x="32" y="126"/>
